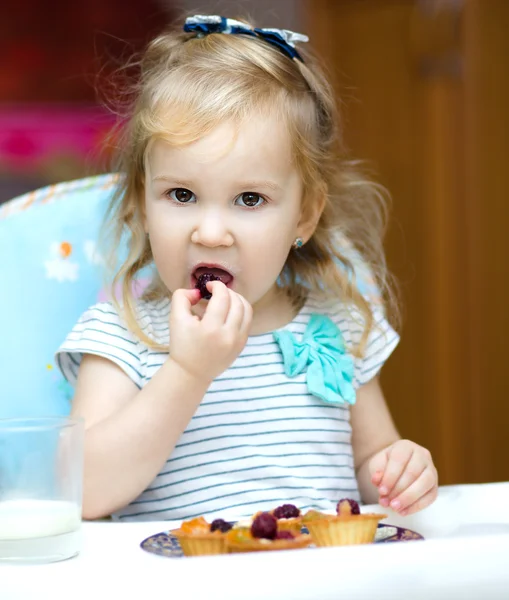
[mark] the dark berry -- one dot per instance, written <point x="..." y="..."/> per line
<point x="220" y="524"/>
<point x="347" y="507"/>
<point x="284" y="535"/>
<point x="264" y="526"/>
<point x="286" y="511"/>
<point x="201" y="284"/>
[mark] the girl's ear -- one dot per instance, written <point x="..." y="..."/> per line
<point x="312" y="210"/>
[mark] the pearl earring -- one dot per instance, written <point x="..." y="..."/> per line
<point x="299" y="242"/>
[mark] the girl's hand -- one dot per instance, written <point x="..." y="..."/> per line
<point x="206" y="347"/>
<point x="405" y="476"/>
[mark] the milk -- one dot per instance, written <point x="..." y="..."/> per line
<point x="39" y="530"/>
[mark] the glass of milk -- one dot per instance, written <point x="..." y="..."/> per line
<point x="41" y="481"/>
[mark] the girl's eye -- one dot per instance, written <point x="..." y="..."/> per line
<point x="181" y="195"/>
<point x="250" y="200"/>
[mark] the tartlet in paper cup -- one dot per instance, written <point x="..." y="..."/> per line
<point x="335" y="530"/>
<point x="347" y="527"/>
<point x="198" y="538"/>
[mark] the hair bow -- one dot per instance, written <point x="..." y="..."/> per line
<point x="283" y="39"/>
<point x="330" y="369"/>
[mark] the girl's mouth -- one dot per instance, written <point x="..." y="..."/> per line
<point x="202" y="274"/>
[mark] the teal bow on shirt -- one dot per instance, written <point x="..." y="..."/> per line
<point x="330" y="368"/>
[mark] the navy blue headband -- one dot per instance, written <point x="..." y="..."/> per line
<point x="283" y="39"/>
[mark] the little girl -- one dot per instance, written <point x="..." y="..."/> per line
<point x="235" y="187"/>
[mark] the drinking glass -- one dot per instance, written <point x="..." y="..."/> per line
<point x="41" y="482"/>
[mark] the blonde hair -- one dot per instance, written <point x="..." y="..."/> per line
<point x="186" y="86"/>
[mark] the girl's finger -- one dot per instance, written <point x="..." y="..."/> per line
<point x="377" y="466"/>
<point x="417" y="490"/>
<point x="235" y="315"/>
<point x="218" y="306"/>
<point x="377" y="477"/>
<point x="423" y="502"/>
<point x="412" y="472"/>
<point x="181" y="302"/>
<point x="399" y="456"/>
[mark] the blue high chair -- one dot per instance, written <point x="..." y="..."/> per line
<point x="50" y="273"/>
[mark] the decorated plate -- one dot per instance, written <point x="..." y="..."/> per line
<point x="166" y="544"/>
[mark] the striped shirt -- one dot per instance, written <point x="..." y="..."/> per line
<point x="258" y="438"/>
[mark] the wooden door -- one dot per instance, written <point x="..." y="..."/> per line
<point x="424" y="87"/>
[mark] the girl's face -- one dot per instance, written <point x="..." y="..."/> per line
<point x="225" y="204"/>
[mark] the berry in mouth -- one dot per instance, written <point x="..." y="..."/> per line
<point x="201" y="284"/>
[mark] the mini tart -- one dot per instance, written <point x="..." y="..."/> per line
<point x="241" y="540"/>
<point x="343" y="530"/>
<point x="196" y="539"/>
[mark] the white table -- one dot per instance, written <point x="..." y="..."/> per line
<point x="465" y="556"/>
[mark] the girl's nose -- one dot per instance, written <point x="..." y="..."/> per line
<point x="212" y="230"/>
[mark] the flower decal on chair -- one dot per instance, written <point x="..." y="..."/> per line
<point x="60" y="266"/>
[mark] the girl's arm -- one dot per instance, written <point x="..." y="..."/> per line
<point x="389" y="470"/>
<point x="372" y="431"/>
<point x="129" y="434"/>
